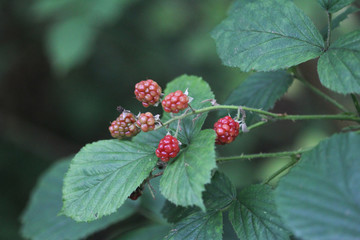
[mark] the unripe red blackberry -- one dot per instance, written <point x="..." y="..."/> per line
<point x="148" y="92"/>
<point x="124" y="126"/>
<point x="146" y="122"/>
<point x="136" y="194"/>
<point x="227" y="129"/>
<point x="175" y="102"/>
<point x="168" y="148"/>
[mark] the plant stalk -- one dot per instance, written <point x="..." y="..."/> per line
<point x="268" y="115"/>
<point x="290" y="164"/>
<point x="329" y="17"/>
<point x="261" y="155"/>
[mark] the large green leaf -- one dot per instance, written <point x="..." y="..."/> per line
<point x="41" y="221"/>
<point x="267" y="35"/>
<point x="254" y="215"/>
<point x="199" y="226"/>
<point x="204" y="225"/>
<point x="334" y="5"/>
<point x="338" y="67"/>
<point x="319" y="198"/>
<point x="102" y="175"/>
<point x="218" y="194"/>
<point x="261" y="90"/>
<point x="184" y="178"/>
<point x="199" y="90"/>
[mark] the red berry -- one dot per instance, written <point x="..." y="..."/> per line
<point x="148" y="92"/>
<point x="146" y="121"/>
<point x="226" y="130"/>
<point x="124" y="126"/>
<point x="136" y="194"/>
<point x="168" y="148"/>
<point x="175" y="102"/>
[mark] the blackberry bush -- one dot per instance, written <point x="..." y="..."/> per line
<point x="317" y="199"/>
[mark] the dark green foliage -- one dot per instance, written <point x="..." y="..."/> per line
<point x="102" y="176"/>
<point x="320" y="198"/>
<point x="254" y="39"/>
<point x="254" y="215"/>
<point x="41" y="220"/>
<point x="339" y="66"/>
<point x="334" y="5"/>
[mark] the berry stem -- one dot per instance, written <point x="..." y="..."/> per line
<point x="177" y="128"/>
<point x="192" y="109"/>
<point x="268" y="115"/>
<point x="261" y="155"/>
<point x="294" y="160"/>
<point x="329" y="17"/>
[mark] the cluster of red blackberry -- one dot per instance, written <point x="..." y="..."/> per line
<point x="149" y="93"/>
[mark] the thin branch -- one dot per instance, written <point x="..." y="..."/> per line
<point x="290" y="164"/>
<point x="329" y="16"/>
<point x="267" y="115"/>
<point x="261" y="155"/>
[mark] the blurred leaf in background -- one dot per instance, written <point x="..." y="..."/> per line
<point x="74" y="27"/>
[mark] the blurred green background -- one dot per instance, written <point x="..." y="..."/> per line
<point x="66" y="64"/>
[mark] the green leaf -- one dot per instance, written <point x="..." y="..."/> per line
<point x="255" y="37"/>
<point x="220" y="193"/>
<point x="102" y="176"/>
<point x="334" y="5"/>
<point x="338" y="67"/>
<point x="199" y="226"/>
<point x="319" y="198"/>
<point x="205" y="225"/>
<point x="341" y="17"/>
<point x="254" y="215"/>
<point x="183" y="180"/>
<point x="40" y="221"/>
<point x="260" y="90"/>
<point x="147" y="233"/>
<point x="199" y="90"/>
<point x="174" y="214"/>
<point x="150" y="138"/>
<point x="236" y="5"/>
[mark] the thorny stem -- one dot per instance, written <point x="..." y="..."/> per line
<point x="267" y="115"/>
<point x="329" y="16"/>
<point x="318" y="92"/>
<point x="260" y="155"/>
<point x="177" y="128"/>
<point x="356" y="103"/>
<point x="156" y="175"/>
<point x="294" y="160"/>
